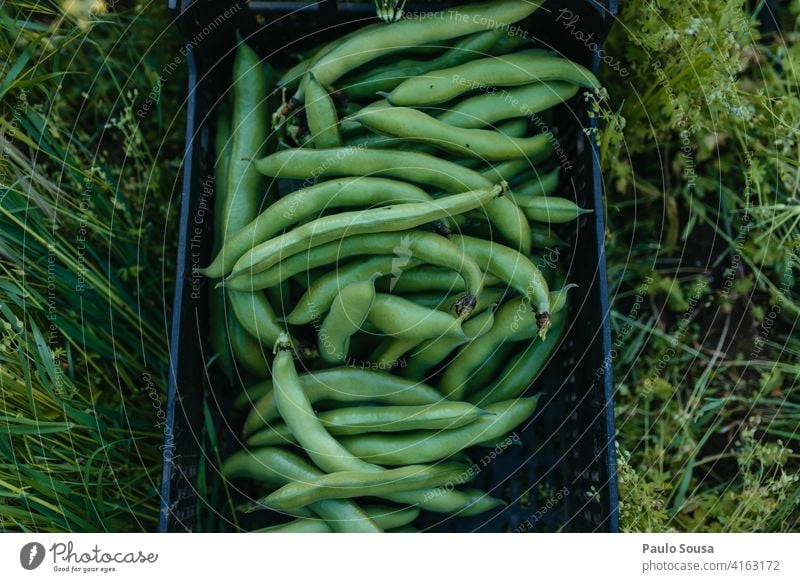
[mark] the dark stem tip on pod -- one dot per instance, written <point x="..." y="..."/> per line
<point x="441" y="227"/>
<point x="504" y="188"/>
<point x="292" y="104"/>
<point x="283" y="344"/>
<point x="465" y="305"/>
<point x="543" y="322"/>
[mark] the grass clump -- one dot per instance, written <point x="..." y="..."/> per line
<point x="85" y="266"/>
<point x="702" y="167"/>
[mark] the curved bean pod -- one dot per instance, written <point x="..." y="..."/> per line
<point x="513" y="319"/>
<point x="515" y="269"/>
<point x="535" y="185"/>
<point x="403" y="319"/>
<point x="322" y="292"/>
<point x="425" y="246"/>
<point x="302" y="204"/>
<point x="292" y="78"/>
<point x="507" y="71"/>
<point x="295" y="408"/>
<point x="386" y="219"/>
<point x="433" y="352"/>
<point x="453" y="23"/>
<point x="279" y="467"/>
<point x="414" y="125"/>
<point x="390" y="76"/>
<point x="370" y="419"/>
<point x="349" y="484"/>
<point x="255" y="314"/>
<point x="410" y="448"/>
<point x="323" y="122"/>
<point x="513" y="128"/>
<point x="513" y="322"/>
<point x="489" y="108"/>
<point x="348" y="313"/>
<point x="524" y="368"/>
<point x="300" y="163"/>
<point x="551" y="210"/>
<point x="249" y="132"/>
<point x="385" y="517"/>
<point x="343" y="385"/>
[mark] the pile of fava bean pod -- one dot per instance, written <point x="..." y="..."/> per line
<point x="382" y="213"/>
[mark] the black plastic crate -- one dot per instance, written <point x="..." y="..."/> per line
<point x="566" y="462"/>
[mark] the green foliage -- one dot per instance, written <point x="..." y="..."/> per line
<point x="84" y="205"/>
<point x="703" y="170"/>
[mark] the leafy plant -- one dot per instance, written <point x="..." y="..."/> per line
<point x="84" y="205"/>
<point x="703" y="171"/>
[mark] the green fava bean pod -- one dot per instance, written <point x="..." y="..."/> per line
<point x="385" y="517"/>
<point x="348" y="313"/>
<point x="535" y="185"/>
<point x="524" y="367"/>
<point x="551" y="210"/>
<point x="278" y="467"/>
<point x="416" y="30"/>
<point x="363" y="419"/>
<point x="484" y="144"/>
<point x="350" y="385"/>
<point x="322" y="292"/>
<point x="323" y="123"/>
<point x="294" y="76"/>
<point x="390" y="76"/>
<point x="434" y="351"/>
<point x="493" y="365"/>
<point x="307" y="202"/>
<point x="255" y="314"/>
<point x="424" y="246"/>
<point x="404" y="319"/>
<point x="326" y="452"/>
<point x="507" y="71"/>
<point x="545" y="238"/>
<point x="515" y="269"/>
<point x="247" y="350"/>
<point x="295" y="409"/>
<point x="513" y="322"/>
<point x="389" y="353"/>
<point x="332" y="228"/>
<point x="505" y="171"/>
<point x="349" y="484"/>
<point x="300" y="525"/>
<point x="370" y="419"/>
<point x="300" y="163"/>
<point x="418" y="279"/>
<point x="249" y="134"/>
<point x="445" y="302"/>
<point x="489" y="108"/>
<point x="412" y="447"/>
<point x="514" y="319"/>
